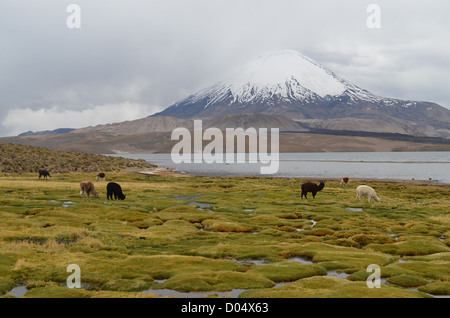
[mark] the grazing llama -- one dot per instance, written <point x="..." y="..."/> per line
<point x="311" y="187"/>
<point x="87" y="188"/>
<point x="366" y="191"/>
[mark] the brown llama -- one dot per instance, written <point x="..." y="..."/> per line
<point x="344" y="181"/>
<point x="87" y="188"/>
<point x="311" y="187"/>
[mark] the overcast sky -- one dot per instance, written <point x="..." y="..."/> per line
<point x="132" y="58"/>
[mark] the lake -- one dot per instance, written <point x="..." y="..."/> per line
<point x="370" y="165"/>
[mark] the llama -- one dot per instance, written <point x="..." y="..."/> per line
<point x="344" y="181"/>
<point x="114" y="189"/>
<point x="44" y="173"/>
<point x="311" y="187"/>
<point x="366" y="191"/>
<point x="100" y="176"/>
<point x="87" y="188"/>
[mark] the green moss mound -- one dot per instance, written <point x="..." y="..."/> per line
<point x="288" y="271"/>
<point x="439" y="288"/>
<point x="57" y="292"/>
<point x="216" y="281"/>
<point x="407" y="281"/>
<point x="330" y="287"/>
<point x="411" y="246"/>
<point x="6" y="285"/>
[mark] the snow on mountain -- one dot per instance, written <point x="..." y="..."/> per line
<point x="279" y="76"/>
<point x="287" y="75"/>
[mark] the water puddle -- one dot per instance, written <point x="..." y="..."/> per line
<point x="65" y="204"/>
<point x="338" y="274"/>
<point x="159" y="281"/>
<point x="202" y="206"/>
<point x="405" y="260"/>
<point x="312" y="225"/>
<point x="393" y="235"/>
<point x="302" y="259"/>
<point x="175" y="294"/>
<point x="68" y="203"/>
<point x="251" y="261"/>
<point x="281" y="284"/>
<point x="234" y="293"/>
<point x="18" y="291"/>
<point x="188" y="197"/>
<point x="354" y="209"/>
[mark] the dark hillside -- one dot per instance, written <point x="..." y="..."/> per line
<point x="16" y="158"/>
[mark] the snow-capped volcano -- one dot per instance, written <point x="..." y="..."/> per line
<point x="291" y="84"/>
<point x="286" y="75"/>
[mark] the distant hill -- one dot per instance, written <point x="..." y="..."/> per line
<point x="47" y="132"/>
<point x="138" y="126"/>
<point x="318" y="140"/>
<point x="25" y="158"/>
<point x="253" y="120"/>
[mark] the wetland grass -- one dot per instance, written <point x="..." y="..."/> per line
<point x="221" y="234"/>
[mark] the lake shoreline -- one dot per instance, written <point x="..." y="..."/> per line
<point x="171" y="172"/>
<point x="416" y="168"/>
